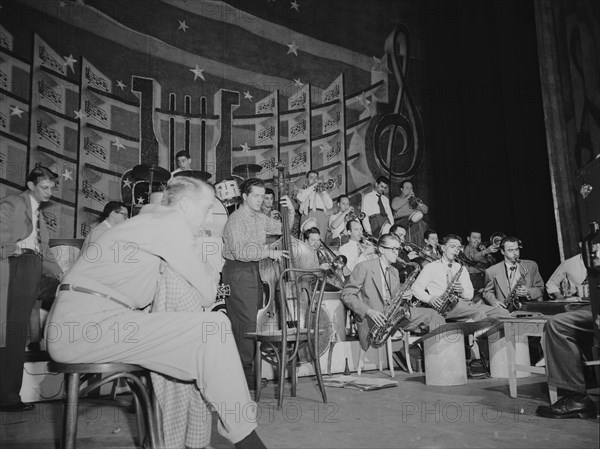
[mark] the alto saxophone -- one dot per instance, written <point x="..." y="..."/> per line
<point x="449" y="298"/>
<point x="512" y="302"/>
<point x="397" y="311"/>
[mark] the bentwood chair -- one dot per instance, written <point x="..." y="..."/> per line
<point x="297" y="334"/>
<point x="149" y="430"/>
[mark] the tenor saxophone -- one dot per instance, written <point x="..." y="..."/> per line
<point x="449" y="298"/>
<point x="512" y="302"/>
<point x="397" y="311"/>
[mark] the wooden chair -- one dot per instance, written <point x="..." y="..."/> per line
<point x="298" y="331"/>
<point x="75" y="373"/>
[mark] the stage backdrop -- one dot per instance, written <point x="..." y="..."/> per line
<point x="93" y="88"/>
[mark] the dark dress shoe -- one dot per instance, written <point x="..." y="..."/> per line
<point x="18" y="407"/>
<point x="568" y="407"/>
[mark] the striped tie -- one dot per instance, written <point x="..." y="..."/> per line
<point x="37" y="226"/>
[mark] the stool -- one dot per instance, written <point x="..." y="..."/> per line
<point x="147" y="426"/>
<point x="445" y="361"/>
<point x="407" y="341"/>
<point x="498" y="357"/>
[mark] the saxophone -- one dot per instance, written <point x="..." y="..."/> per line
<point x="397" y="311"/>
<point x="512" y="302"/>
<point x="449" y="299"/>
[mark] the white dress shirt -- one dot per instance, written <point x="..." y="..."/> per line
<point x="354" y="253"/>
<point x="432" y="281"/>
<point x="370" y="206"/>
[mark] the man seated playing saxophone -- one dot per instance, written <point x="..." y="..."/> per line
<point x="374" y="284"/>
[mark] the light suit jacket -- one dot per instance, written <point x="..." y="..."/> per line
<point x="497" y="287"/>
<point x="364" y="290"/>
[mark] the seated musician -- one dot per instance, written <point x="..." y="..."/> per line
<point x="568" y="278"/>
<point x="357" y="249"/>
<point x="314" y="256"/>
<point x="442" y="276"/>
<point x="184" y="161"/>
<point x="406" y="253"/>
<point x="409" y="211"/>
<point x="114" y="212"/>
<point x="477" y="258"/>
<point x="512" y="275"/>
<point x="373" y="284"/>
<point x="376" y="207"/>
<point x="431" y="244"/>
<point x="567" y="336"/>
<point x="109" y="294"/>
<point x="337" y="221"/>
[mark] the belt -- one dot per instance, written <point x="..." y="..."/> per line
<point x="77" y="288"/>
<point x="27" y="251"/>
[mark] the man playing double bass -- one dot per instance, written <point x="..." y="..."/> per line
<point x="244" y="246"/>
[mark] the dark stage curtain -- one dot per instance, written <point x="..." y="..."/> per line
<point x="486" y="131"/>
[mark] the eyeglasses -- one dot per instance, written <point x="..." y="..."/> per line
<point x="396" y="249"/>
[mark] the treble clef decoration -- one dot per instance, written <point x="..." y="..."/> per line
<point x="396" y="135"/>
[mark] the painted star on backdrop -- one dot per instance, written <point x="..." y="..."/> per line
<point x="292" y="48"/>
<point x="248" y="95"/>
<point x="298" y="83"/>
<point x="120" y="84"/>
<point x="295" y="5"/>
<point x="362" y="99"/>
<point x="245" y="147"/>
<point x="127" y="183"/>
<point x="69" y="61"/>
<point x="197" y="71"/>
<point x="380" y="65"/>
<point x="140" y="200"/>
<point x="182" y="25"/>
<point x="68" y="175"/>
<point x="118" y="144"/>
<point x="79" y="115"/>
<point x="62" y="4"/>
<point x="15" y="110"/>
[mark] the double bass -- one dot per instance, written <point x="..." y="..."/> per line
<point x="295" y="289"/>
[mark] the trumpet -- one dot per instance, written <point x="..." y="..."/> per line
<point x="323" y="186"/>
<point x="414" y="201"/>
<point x="352" y="215"/>
<point x="426" y="252"/>
<point x="335" y="262"/>
<point x="496" y="239"/>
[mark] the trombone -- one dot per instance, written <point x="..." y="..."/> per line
<point x="336" y="262"/>
<point x="425" y="252"/>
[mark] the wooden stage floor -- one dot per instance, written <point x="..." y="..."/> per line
<point x="480" y="414"/>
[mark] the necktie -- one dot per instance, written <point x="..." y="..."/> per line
<point x="381" y="208"/>
<point x="512" y="276"/>
<point x="449" y="274"/>
<point x="37" y="226"/>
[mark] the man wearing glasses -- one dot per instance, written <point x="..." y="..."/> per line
<point x="375" y="283"/>
<point x="114" y="213"/>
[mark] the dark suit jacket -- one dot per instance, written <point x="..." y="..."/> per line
<point x="496" y="282"/>
<point x="363" y="291"/>
<point x="15" y="225"/>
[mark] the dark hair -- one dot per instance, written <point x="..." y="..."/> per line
<point x="110" y="207"/>
<point x="472" y="230"/>
<point x="339" y="198"/>
<point x="349" y="224"/>
<point x="40" y="173"/>
<point x="404" y="182"/>
<point x="183" y="153"/>
<point x="509" y="239"/>
<point x="395" y="227"/>
<point x="306" y="234"/>
<point x="251" y="182"/>
<point x="312" y="171"/>
<point x="382" y="179"/>
<point x="451" y="237"/>
<point x="386" y="238"/>
<point x="269" y="191"/>
<point x="428" y="232"/>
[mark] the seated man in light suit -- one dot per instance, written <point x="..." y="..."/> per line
<point x="373" y="284"/>
<point x="502" y="278"/>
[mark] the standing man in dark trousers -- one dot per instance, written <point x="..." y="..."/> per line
<point x="244" y="247"/>
<point x="24" y="256"/>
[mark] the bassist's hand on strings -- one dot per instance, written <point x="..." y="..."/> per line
<point x="287" y="202"/>
<point x="277" y="254"/>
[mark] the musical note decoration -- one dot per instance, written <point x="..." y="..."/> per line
<point x="394" y="140"/>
